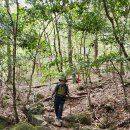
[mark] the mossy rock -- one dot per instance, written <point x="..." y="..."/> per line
<point x="23" y="126"/>
<point x="36" y="120"/>
<point x="3" y="123"/>
<point x="39" y="96"/>
<point x="105" y="123"/>
<point x="82" y="118"/>
<point x="36" y="109"/>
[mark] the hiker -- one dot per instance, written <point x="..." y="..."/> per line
<point x="76" y="78"/>
<point x="60" y="92"/>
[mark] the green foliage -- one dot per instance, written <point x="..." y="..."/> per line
<point x="90" y="63"/>
<point x="110" y="57"/>
<point x="89" y="22"/>
<point x="85" y="20"/>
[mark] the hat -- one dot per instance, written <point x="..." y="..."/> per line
<point x="63" y="79"/>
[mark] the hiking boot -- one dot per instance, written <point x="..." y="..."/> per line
<point x="56" y="119"/>
<point x="60" y="120"/>
<point x="57" y="122"/>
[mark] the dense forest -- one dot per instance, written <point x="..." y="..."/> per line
<point x="84" y="39"/>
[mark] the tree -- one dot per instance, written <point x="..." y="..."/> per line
<point x="119" y="21"/>
<point x="14" y="37"/>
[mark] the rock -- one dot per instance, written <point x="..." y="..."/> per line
<point x="23" y="126"/>
<point x="109" y="108"/>
<point x="70" y="118"/>
<point x="49" y="119"/>
<point x="3" y="122"/>
<point x="105" y="123"/>
<point x="39" y="96"/>
<point x="49" y="109"/>
<point x="37" y="120"/>
<point x="57" y="123"/>
<point x="66" y="124"/>
<point x="4" y="101"/>
<point x="36" y="109"/>
<point x="42" y="128"/>
<point x="80" y="88"/>
<point x="82" y="118"/>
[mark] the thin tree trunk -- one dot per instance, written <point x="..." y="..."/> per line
<point x="58" y="68"/>
<point x="84" y="54"/>
<point x="48" y="40"/>
<point x="24" y="109"/>
<point x="14" y="79"/>
<point x="96" y="53"/>
<point x="59" y="43"/>
<point x="123" y="85"/>
<point x="9" y="61"/>
<point x="70" y="45"/>
<point x="87" y="76"/>
<point x="31" y="77"/>
<point x="34" y="64"/>
<point x="14" y="32"/>
<point x="121" y="64"/>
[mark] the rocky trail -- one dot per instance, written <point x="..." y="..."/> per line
<point x="107" y="106"/>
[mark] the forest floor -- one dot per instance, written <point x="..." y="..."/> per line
<point x="106" y="96"/>
<point x="107" y="99"/>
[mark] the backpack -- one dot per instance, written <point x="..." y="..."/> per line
<point x="61" y="90"/>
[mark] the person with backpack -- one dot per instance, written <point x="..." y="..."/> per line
<point x="60" y="92"/>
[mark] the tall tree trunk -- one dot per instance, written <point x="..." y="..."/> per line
<point x="9" y="61"/>
<point x="85" y="54"/>
<point x="96" y="53"/>
<point x="56" y="53"/>
<point x="14" y="79"/>
<point x="121" y="64"/>
<point x="59" y="43"/>
<point x="15" y="29"/>
<point x="70" y="45"/>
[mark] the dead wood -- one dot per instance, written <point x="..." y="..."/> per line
<point x="97" y="86"/>
<point x="76" y="97"/>
<point x="47" y="99"/>
<point x="81" y="93"/>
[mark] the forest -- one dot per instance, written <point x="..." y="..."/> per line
<point x="87" y="42"/>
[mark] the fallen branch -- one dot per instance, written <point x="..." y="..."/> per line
<point x="39" y="86"/>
